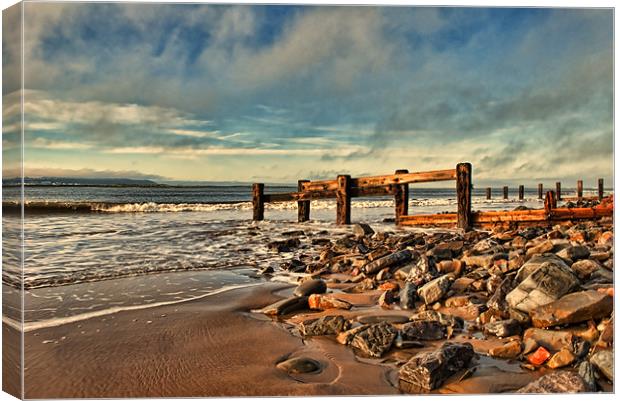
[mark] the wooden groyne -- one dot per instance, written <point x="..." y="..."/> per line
<point x="345" y="187"/>
<point x="558" y="191"/>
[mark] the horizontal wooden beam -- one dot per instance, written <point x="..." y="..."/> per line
<point x="311" y="195"/>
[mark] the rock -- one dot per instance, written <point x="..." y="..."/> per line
<point x="484" y="246"/>
<point x="539" y="356"/>
<point x="503" y="328"/>
<point x="408" y="295"/>
<point x="446" y="320"/>
<point x="406" y="344"/>
<point x="383" y="318"/>
<point x="440" y="253"/>
<point x="553" y="340"/>
<point x="604" y="362"/>
<point x="498" y="299"/>
<point x="389" y="286"/>
<point x="450" y="266"/>
<point x="586" y="371"/>
<point x="422" y="271"/>
<point x="556" y="382"/>
<point x="607" y="238"/>
<point x="267" y="270"/>
<point x="510" y="350"/>
<point x="458" y="300"/>
<point x="560" y="359"/>
<point x="573" y="308"/>
<point x="363" y="230"/>
<point x="374" y="340"/>
<point x="345" y="337"/>
<point x="300" y="365"/>
<point x="323" y="302"/>
<point x="386" y="299"/>
<point x="284" y="246"/>
<point x="584" y="268"/>
<point x="535" y="263"/>
<point x="435" y="289"/>
<point x="529" y="345"/>
<point x="423" y="330"/>
<point x="324" y="325"/>
<point x="310" y="287"/>
<point x="573" y="253"/>
<point x="478" y="260"/>
<point x="387" y="261"/>
<point x="543" y="247"/>
<point x="429" y="370"/>
<point x="544" y="285"/>
<point x="295" y="266"/>
<point x="286" y="306"/>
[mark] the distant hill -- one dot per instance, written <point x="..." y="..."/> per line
<point x="81" y="181"/>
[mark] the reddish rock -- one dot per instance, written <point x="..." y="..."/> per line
<point x="573" y="308"/>
<point x="389" y="286"/>
<point x="539" y="356"/>
<point x="323" y="302"/>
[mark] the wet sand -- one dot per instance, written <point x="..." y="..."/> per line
<point x="212" y="346"/>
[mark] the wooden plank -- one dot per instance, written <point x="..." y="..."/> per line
<point x="579" y="189"/>
<point x="463" y="195"/>
<point x="600" y="189"/>
<point x="303" y="207"/>
<point x="540" y="191"/>
<point x="343" y="200"/>
<point x="409" y="178"/>
<point x="558" y="191"/>
<point x="324" y="185"/>
<point x="258" y="202"/>
<point x="512" y="215"/>
<point x="581" y="213"/>
<point x="313" y="195"/>
<point x="401" y="197"/>
<point x="429" y="219"/>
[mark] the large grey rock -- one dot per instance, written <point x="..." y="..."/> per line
<point x="573" y="308"/>
<point x="429" y="370"/>
<point x="423" y="330"/>
<point x="556" y="382"/>
<point x="536" y="262"/>
<point x="584" y="268"/>
<point x="393" y="259"/>
<point x="324" y="325"/>
<point x="434" y="290"/>
<point x="422" y="271"/>
<point x="604" y="362"/>
<point x="544" y="285"/>
<point x="374" y="340"/>
<point x="310" y="287"/>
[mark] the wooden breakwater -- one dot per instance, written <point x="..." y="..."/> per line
<point x="344" y="188"/>
<point x="558" y="192"/>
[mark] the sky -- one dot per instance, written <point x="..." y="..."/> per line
<point x="281" y="93"/>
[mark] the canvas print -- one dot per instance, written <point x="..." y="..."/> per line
<point x="206" y="200"/>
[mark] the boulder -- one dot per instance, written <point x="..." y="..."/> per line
<point x="584" y="268"/>
<point x="408" y="295"/>
<point x="390" y="260"/>
<point x="374" y="340"/>
<point x="310" y="287"/>
<point x="510" y="350"/>
<point x="286" y="306"/>
<point x="544" y="285"/>
<point x="324" y="325"/>
<point x="553" y="340"/>
<point x="573" y="253"/>
<point x="556" y="382"/>
<point x="423" y="330"/>
<point x="562" y="358"/>
<point x="300" y="365"/>
<point x="573" y="308"/>
<point x="503" y="328"/>
<point x="434" y="290"/>
<point x="604" y="362"/>
<point x="429" y="370"/>
<point x="363" y="230"/>
<point x="535" y="263"/>
<point x="323" y="302"/>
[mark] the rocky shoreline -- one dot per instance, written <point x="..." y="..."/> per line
<point x="439" y="307"/>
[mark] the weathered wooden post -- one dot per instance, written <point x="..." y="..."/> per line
<point x="463" y="195"/>
<point x="550" y="202"/>
<point x="303" y="207"/>
<point x="600" y="189"/>
<point x="505" y="192"/>
<point x="521" y="192"/>
<point x="489" y="193"/>
<point x="401" y="198"/>
<point x="343" y="200"/>
<point x="540" y="191"/>
<point x="258" y="201"/>
<point x="579" y="189"/>
<point x="558" y="191"/>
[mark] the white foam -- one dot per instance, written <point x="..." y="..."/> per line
<point x="54" y="322"/>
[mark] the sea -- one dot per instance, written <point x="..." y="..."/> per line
<point x="93" y="251"/>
